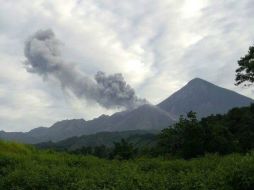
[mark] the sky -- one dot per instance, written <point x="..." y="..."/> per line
<point x="158" y="46"/>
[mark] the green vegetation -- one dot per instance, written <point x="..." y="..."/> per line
<point x="138" y="138"/>
<point x="223" y="134"/>
<point x="24" y="167"/>
<point x="122" y="150"/>
<point x="245" y="71"/>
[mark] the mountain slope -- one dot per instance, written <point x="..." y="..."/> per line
<point x="146" y="117"/>
<point x="198" y="95"/>
<point x="59" y="131"/>
<point x="204" y="98"/>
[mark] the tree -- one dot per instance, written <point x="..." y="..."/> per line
<point x="193" y="144"/>
<point x="123" y="150"/>
<point x="185" y="138"/>
<point x="217" y="137"/>
<point x="245" y="72"/>
<point x="101" y="151"/>
<point x="171" y="138"/>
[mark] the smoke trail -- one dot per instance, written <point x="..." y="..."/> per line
<point x="44" y="58"/>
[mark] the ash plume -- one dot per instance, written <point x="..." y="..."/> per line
<point x="43" y="57"/>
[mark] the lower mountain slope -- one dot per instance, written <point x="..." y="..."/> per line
<point x="146" y="117"/>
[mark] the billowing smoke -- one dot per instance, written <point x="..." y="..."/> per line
<point x="44" y="58"/>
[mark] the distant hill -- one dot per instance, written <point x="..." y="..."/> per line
<point x="59" y="131"/>
<point x="18" y="137"/>
<point x="146" y="117"/>
<point x="204" y="98"/>
<point x="137" y="137"/>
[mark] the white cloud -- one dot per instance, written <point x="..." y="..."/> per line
<point x="157" y="45"/>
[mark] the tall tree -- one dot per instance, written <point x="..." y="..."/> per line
<point x="245" y="72"/>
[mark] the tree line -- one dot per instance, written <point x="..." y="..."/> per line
<point x="190" y="137"/>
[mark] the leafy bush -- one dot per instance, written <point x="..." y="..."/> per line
<point x="25" y="168"/>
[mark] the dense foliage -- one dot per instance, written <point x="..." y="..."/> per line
<point x="245" y="71"/>
<point x="224" y="134"/>
<point x="26" y="168"/>
<point x="122" y="150"/>
<point x="90" y="144"/>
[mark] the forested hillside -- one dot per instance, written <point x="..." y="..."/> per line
<point x="138" y="138"/>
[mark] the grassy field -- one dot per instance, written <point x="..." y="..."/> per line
<point x="24" y="167"/>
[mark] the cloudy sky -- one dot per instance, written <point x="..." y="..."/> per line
<point x="158" y="46"/>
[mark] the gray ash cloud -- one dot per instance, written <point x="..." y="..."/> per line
<point x="43" y="57"/>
